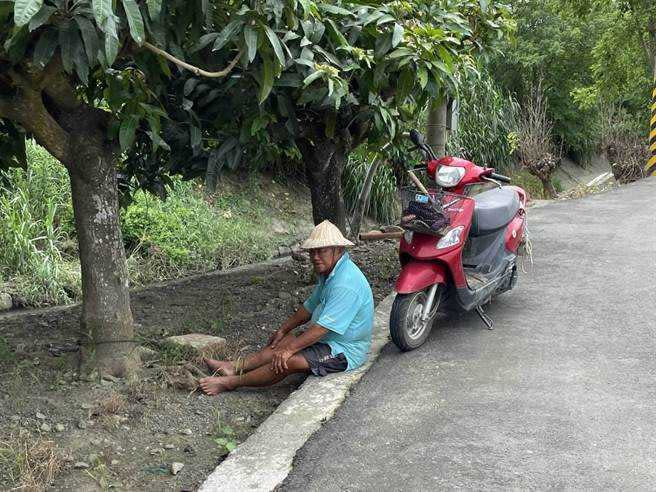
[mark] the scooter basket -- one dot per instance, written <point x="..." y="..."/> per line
<point x="423" y="213"/>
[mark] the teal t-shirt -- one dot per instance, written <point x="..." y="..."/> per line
<point x="342" y="303"/>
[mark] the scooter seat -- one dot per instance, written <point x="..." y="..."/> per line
<point x="494" y="209"/>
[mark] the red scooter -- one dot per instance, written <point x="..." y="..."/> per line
<point x="458" y="249"/>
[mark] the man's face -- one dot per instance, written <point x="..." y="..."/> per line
<point x="324" y="259"/>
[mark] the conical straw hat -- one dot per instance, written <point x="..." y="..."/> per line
<point x="325" y="235"/>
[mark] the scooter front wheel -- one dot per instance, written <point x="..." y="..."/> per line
<point x="407" y="329"/>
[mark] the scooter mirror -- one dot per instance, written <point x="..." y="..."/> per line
<point x="417" y="138"/>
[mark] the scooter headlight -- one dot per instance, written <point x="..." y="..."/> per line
<point x="448" y="176"/>
<point x="451" y="238"/>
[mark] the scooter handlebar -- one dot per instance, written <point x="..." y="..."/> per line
<point x="499" y="177"/>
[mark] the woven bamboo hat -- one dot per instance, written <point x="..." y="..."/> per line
<point x="325" y="235"/>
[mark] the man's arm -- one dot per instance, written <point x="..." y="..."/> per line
<point x="300" y="317"/>
<point x="311" y="336"/>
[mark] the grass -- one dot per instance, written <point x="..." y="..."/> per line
<point x="29" y="463"/>
<point x="185" y="234"/>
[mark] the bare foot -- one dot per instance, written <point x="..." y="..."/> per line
<point x="223" y="367"/>
<point x="214" y="385"/>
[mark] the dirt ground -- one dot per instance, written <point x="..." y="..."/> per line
<point x="111" y="434"/>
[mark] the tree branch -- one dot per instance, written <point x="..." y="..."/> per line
<point x="192" y="68"/>
<point x="55" y="83"/>
<point x="28" y="110"/>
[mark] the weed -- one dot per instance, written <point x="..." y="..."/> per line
<point x="223" y="435"/>
<point x="29" y="463"/>
<point x="113" y="404"/>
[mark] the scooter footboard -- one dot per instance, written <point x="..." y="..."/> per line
<point x="417" y="275"/>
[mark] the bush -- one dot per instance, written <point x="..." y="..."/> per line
<point x="36" y="222"/>
<point x="189" y="233"/>
<point x="487" y="125"/>
<point x="383" y="200"/>
<point x="186" y="233"/>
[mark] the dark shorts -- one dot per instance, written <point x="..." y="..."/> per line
<point x="321" y="360"/>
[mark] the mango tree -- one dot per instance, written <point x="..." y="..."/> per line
<point x="330" y="76"/>
<point x="83" y="80"/>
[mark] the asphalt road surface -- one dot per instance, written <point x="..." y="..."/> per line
<point x="562" y="394"/>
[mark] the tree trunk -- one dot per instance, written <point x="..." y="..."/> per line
<point x="548" y="187"/>
<point x="362" y="205"/>
<point x="106" y="322"/>
<point x="324" y="163"/>
<point x="436" y="127"/>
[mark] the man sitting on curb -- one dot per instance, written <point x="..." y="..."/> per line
<point x="340" y="311"/>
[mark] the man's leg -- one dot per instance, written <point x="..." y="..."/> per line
<point x="261" y="376"/>
<point x="248" y="363"/>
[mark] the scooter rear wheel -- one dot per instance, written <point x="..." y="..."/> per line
<point x="407" y="329"/>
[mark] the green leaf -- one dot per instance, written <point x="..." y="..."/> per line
<point x="81" y="63"/>
<point x="24" y="10"/>
<point x="89" y="36"/>
<point x="45" y="47"/>
<point x="250" y="37"/>
<point x="267" y="79"/>
<point x="484" y="4"/>
<point x="336" y="34"/>
<point x="385" y="19"/>
<point x="154" y="8"/>
<point x="275" y="44"/>
<point x="227" y="33"/>
<point x="189" y="86"/>
<point x="204" y="40"/>
<point x="311" y="78"/>
<point x="383" y="45"/>
<point x="102" y="10"/>
<point x="333" y="9"/>
<point x="127" y="131"/>
<point x="231" y="445"/>
<point x="423" y="77"/>
<point x="67" y="39"/>
<point x="111" y="48"/>
<point x="41" y="17"/>
<point x="135" y="21"/>
<point x="397" y="36"/>
<point x="195" y="138"/>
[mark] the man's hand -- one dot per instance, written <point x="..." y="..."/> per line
<point x="275" y="338"/>
<point x="279" y="361"/>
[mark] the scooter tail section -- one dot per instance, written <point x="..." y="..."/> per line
<point x="418" y="275"/>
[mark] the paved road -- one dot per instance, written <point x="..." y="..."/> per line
<point x="562" y="394"/>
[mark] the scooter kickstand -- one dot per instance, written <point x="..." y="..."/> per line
<point x="485" y="318"/>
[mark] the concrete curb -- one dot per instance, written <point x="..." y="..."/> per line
<point x="265" y="459"/>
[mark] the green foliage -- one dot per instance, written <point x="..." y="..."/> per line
<point x="487" y="125"/>
<point x="524" y="179"/>
<point x="165" y="239"/>
<point x="383" y="200"/>
<point x="224" y="436"/>
<point x="586" y="54"/>
<point x="188" y="233"/>
<point x="36" y="226"/>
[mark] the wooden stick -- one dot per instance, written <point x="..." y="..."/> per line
<point x="378" y="236"/>
<point x="420" y="185"/>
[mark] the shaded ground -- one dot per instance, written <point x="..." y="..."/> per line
<point x="129" y="434"/>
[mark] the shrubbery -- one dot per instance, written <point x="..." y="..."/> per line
<point x="186" y="233"/>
